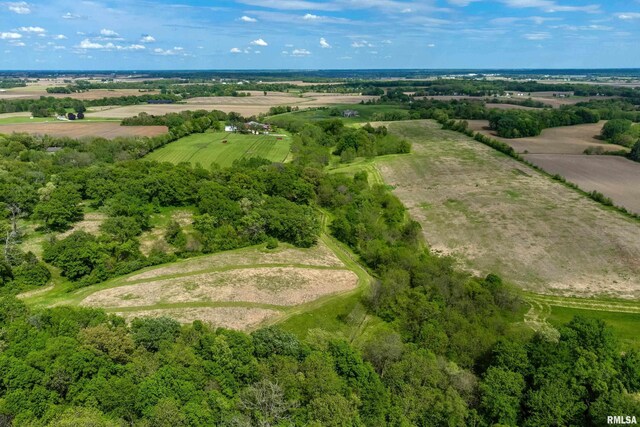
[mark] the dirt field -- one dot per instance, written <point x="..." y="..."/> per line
<point x="239" y="318"/>
<point x="280" y="286"/>
<point x="107" y="130"/>
<point x="247" y="106"/>
<point x="560" y="140"/>
<point x="36" y="91"/>
<point x="616" y="177"/>
<point x="500" y="216"/>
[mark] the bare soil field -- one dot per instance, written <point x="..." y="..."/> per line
<point x="560" y="140"/>
<point x="616" y="177"/>
<point x="36" y="91"/>
<point x="247" y="106"/>
<point x="281" y="286"/>
<point x="498" y="215"/>
<point x="239" y="318"/>
<point x="81" y="130"/>
<point x="320" y="256"/>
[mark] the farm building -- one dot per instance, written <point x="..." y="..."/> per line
<point x="256" y="128"/>
<point x="230" y="128"/>
<point x="350" y="113"/>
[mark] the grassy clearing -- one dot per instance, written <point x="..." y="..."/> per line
<point x="367" y="113"/>
<point x="208" y="148"/>
<point x="622" y="315"/>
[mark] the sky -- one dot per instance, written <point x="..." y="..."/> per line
<point x="312" y="34"/>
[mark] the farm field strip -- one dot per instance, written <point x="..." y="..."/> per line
<point x="98" y="128"/>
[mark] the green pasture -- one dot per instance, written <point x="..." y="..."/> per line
<point x="210" y="147"/>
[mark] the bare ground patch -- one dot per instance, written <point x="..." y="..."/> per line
<point x="616" y="177"/>
<point x="284" y="286"/>
<point x="77" y="130"/>
<point x="239" y="318"/>
<point x="90" y="224"/>
<point x="320" y="256"/>
<point x="500" y="216"/>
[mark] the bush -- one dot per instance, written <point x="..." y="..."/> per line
<point x="272" y="243"/>
<point x="31" y="273"/>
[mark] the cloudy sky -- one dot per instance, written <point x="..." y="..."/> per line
<point x="311" y="34"/>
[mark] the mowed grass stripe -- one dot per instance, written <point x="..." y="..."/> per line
<point x="207" y="148"/>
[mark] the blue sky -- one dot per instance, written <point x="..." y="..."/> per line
<point x="311" y="34"/>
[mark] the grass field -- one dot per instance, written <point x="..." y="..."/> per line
<point x="207" y="148"/>
<point x="367" y="113"/>
<point x="497" y="215"/>
<point x="240" y="289"/>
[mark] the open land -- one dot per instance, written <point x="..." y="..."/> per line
<point x="107" y="130"/>
<point x="560" y="151"/>
<point x="245" y="105"/>
<point x="36" y="91"/>
<point x="498" y="215"/>
<point x="240" y="289"/>
<point x="223" y="148"/>
<point x="616" y="177"/>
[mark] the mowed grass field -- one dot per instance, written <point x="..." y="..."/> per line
<point x="498" y="215"/>
<point x="494" y="214"/>
<point x="240" y="289"/>
<point x="209" y="147"/>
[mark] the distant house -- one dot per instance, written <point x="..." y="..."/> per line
<point x="350" y="113"/>
<point x="256" y="127"/>
<point x="230" y="128"/>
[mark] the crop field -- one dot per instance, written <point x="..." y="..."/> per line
<point x="247" y="106"/>
<point x="239" y="289"/>
<point x="560" y="140"/>
<point x="366" y="113"/>
<point x="210" y="147"/>
<point x="560" y="151"/>
<point x="77" y="130"/>
<point x="497" y="215"/>
<point x="616" y="177"/>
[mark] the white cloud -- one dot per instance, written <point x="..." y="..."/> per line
<point x="235" y="50"/>
<point x="248" y="19"/>
<point x="537" y="36"/>
<point x="70" y="15"/>
<point x="461" y="3"/>
<point x="300" y="52"/>
<point x="431" y="45"/>
<point x="146" y="38"/>
<point x="10" y="36"/>
<point x="31" y="29"/>
<point x="21" y="8"/>
<point x="310" y="17"/>
<point x="259" y="42"/>
<point x="60" y="37"/>
<point x="361" y="43"/>
<point x="627" y="16"/>
<point x="18" y="44"/>
<point x="324" y="43"/>
<point x="168" y="52"/>
<point x="108" y="33"/>
<point x="88" y="44"/>
<point x="550" y="6"/>
<point x="387" y="42"/>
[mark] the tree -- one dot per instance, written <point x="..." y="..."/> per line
<point x="150" y="333"/>
<point x="635" y="152"/>
<point x="615" y="128"/>
<point x="60" y="208"/>
<point x="265" y="403"/>
<point x="501" y="393"/>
